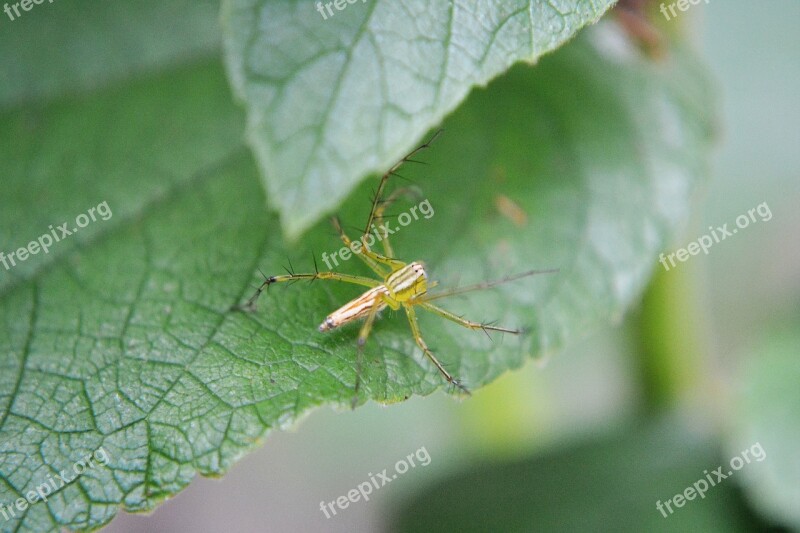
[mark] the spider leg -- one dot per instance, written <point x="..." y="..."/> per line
<point x="250" y="305"/>
<point x="376" y="200"/>
<point x="374" y="261"/>
<point x="480" y="286"/>
<point x="412" y="320"/>
<point x="380" y="224"/>
<point x="444" y="313"/>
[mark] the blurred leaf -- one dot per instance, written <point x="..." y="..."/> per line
<point x="331" y="98"/>
<point x="121" y="336"/>
<point x="61" y="47"/>
<point x="767" y="413"/>
<point x="610" y="485"/>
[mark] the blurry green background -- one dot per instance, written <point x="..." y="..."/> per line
<point x="586" y="438"/>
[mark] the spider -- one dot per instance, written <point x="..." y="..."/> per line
<point x="401" y="285"/>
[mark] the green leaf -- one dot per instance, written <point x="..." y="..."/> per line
<point x="70" y="155"/>
<point x="767" y="403"/>
<point x="120" y="337"/>
<point x="97" y="334"/>
<point x="58" y="47"/>
<point x="613" y="484"/>
<point x="333" y="98"/>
